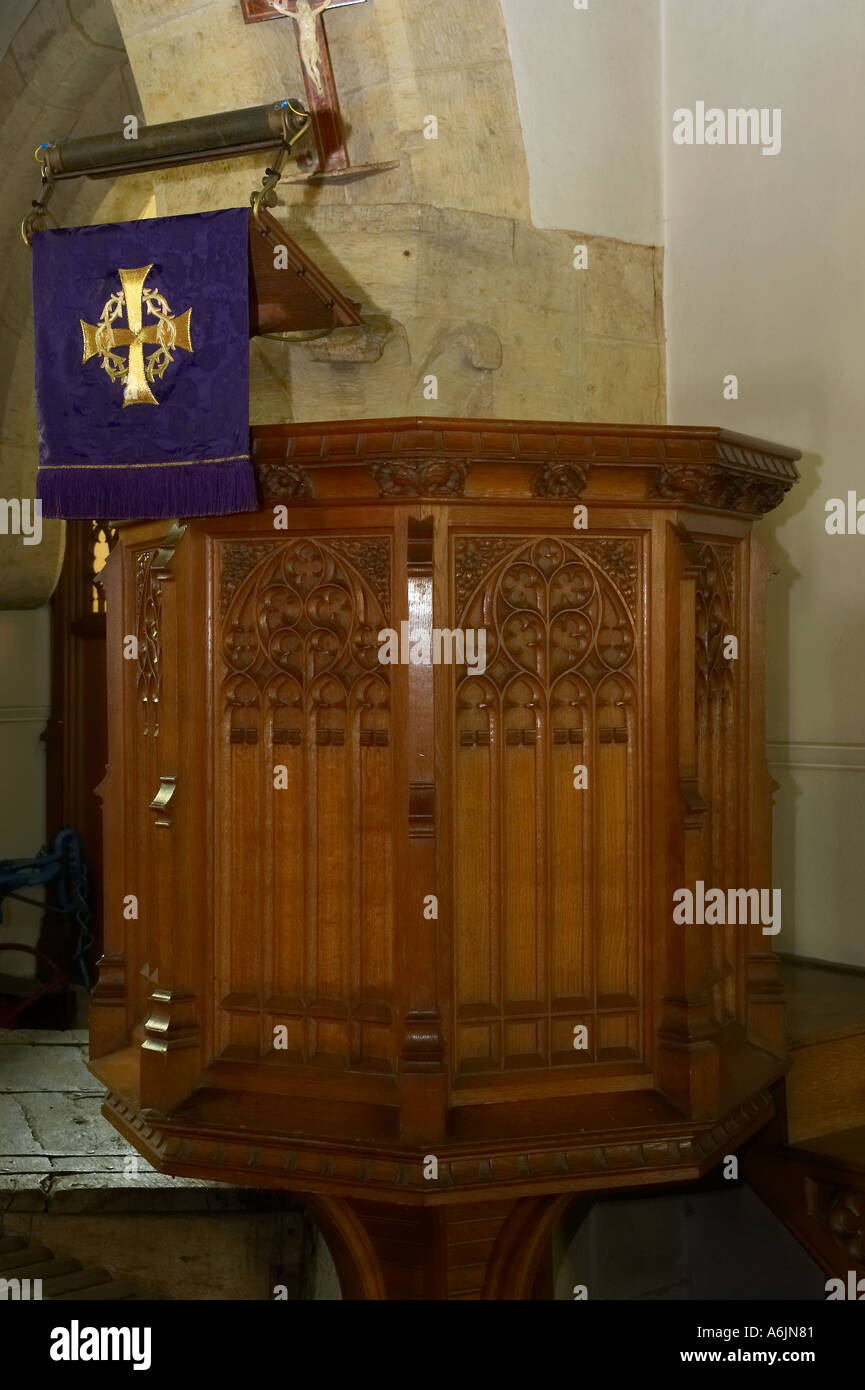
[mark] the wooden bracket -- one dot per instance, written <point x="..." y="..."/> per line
<point x="293" y="296"/>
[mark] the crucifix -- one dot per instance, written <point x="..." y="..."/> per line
<point x="322" y="99"/>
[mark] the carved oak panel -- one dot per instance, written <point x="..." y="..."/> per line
<point x="305" y="767"/>
<point x="547" y="912"/>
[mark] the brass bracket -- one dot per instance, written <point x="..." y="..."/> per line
<point x="266" y="195"/>
<point x="159" y="565"/>
<point x="159" y="804"/>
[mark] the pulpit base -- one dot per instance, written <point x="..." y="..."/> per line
<point x="477" y="1250"/>
<point x="476" y="1224"/>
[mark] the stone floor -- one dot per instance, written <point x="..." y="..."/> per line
<point x="70" y="1182"/>
<point x="57" y="1153"/>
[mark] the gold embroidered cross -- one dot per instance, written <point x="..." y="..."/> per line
<point x="168" y="333"/>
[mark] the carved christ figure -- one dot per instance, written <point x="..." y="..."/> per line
<point x="305" y="13"/>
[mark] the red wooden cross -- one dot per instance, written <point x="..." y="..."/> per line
<point x="322" y="99"/>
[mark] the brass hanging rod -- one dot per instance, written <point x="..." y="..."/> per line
<point x="279" y="125"/>
<point x="221" y="136"/>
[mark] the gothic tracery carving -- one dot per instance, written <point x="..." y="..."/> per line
<point x="148" y="609"/>
<point x="300" y="638"/>
<point x="616" y="556"/>
<point x="716" y="611"/>
<point x="546" y="614"/>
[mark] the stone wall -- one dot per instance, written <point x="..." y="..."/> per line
<point x="454" y="280"/>
<point x="452" y="276"/>
<point x="65" y="72"/>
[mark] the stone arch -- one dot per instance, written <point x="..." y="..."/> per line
<point x="63" y="71"/>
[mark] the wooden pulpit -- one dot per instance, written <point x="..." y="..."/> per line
<point x="400" y="937"/>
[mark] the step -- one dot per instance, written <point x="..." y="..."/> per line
<point x="810" y="1170"/>
<point x="843" y="1151"/>
<point x="18" y="1263"/>
<point x="63" y="1278"/>
<point x="817" y="1189"/>
<point x="79" y="1279"/>
<point x="108" y="1289"/>
<point x="48" y="1269"/>
<point x="826" y="1024"/>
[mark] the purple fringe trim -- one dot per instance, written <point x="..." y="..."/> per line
<point x="86" y="492"/>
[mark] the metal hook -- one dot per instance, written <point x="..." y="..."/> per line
<point x="265" y="196"/>
<point x="39" y="207"/>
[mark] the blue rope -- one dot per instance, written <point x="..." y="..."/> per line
<point x="62" y="865"/>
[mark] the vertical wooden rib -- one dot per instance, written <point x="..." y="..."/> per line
<point x="288" y="849"/>
<point x="522" y="854"/>
<point x="334" y="904"/>
<point x="569" y="916"/>
<point x="244" y="872"/>
<point x="474" y="837"/>
<point x="422" y="1054"/>
<point x="613" y="829"/>
<point x="372" y="947"/>
<point x="265" y="813"/>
